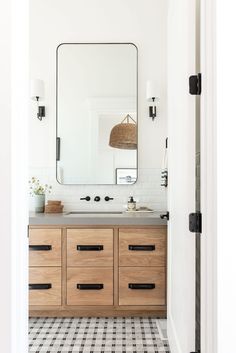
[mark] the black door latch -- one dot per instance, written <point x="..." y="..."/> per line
<point x="195" y="84"/>
<point x="195" y="222"/>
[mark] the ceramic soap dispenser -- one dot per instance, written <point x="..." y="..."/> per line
<point x="131" y="205"/>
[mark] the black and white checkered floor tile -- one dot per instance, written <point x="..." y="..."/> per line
<point x="97" y="335"/>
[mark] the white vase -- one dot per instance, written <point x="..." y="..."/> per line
<point x="39" y="203"/>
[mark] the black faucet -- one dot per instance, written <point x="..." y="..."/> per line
<point x="97" y="198"/>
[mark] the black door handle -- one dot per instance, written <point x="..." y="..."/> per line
<point x="142" y="285"/>
<point x="142" y="247"/>
<point x="90" y="286"/>
<point x="38" y="286"/>
<point x="40" y="247"/>
<point x="89" y="247"/>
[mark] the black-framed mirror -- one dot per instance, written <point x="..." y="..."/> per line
<point x="97" y="90"/>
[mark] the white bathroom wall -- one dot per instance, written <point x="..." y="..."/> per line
<point x="13" y="155"/>
<point x="141" y="22"/>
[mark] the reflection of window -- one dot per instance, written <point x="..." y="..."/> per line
<point x="126" y="175"/>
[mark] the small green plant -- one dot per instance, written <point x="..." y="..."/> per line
<point x="37" y="189"/>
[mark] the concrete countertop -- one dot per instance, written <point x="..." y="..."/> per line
<point x="132" y="219"/>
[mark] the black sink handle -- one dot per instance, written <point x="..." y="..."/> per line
<point x="87" y="198"/>
<point x="108" y="198"/>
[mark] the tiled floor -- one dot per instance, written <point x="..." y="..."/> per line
<point x="98" y="335"/>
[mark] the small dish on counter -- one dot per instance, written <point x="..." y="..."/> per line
<point x="140" y="210"/>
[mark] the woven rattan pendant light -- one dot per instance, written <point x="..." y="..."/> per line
<point x="124" y="135"/>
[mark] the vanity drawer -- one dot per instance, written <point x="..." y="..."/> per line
<point x="142" y="286"/>
<point x="45" y="286"/>
<point x="45" y="247"/>
<point x="142" y="247"/>
<point x="90" y="247"/>
<point x="90" y="286"/>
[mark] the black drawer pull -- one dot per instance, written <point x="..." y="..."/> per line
<point x="142" y="247"/>
<point x="38" y="286"/>
<point x="90" y="286"/>
<point x="40" y="247"/>
<point x="142" y="285"/>
<point x="89" y="247"/>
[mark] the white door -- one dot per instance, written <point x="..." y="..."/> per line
<point x="181" y="164"/>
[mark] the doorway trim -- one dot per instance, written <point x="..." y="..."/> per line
<point x="208" y="178"/>
<point x="208" y="171"/>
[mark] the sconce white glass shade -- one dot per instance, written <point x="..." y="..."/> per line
<point x="36" y="89"/>
<point x="152" y="90"/>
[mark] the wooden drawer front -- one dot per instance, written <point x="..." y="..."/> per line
<point x="90" y="286"/>
<point x="45" y="286"/>
<point x="142" y="247"/>
<point x="45" y="247"/>
<point x="139" y="278"/>
<point x="90" y="247"/>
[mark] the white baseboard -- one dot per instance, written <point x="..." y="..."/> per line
<point x="172" y="336"/>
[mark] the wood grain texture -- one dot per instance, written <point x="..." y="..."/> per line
<point x="98" y="312"/>
<point x="45" y="237"/>
<point x="64" y="268"/>
<point x="89" y="237"/>
<point x="116" y="267"/>
<point x="100" y="226"/>
<point x="139" y="275"/>
<point x="139" y="236"/>
<point x="89" y="275"/>
<point x="40" y="307"/>
<point x="44" y="275"/>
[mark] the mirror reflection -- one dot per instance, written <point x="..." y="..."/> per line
<point x="97" y="114"/>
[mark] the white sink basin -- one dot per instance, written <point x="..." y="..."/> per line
<point x="93" y="212"/>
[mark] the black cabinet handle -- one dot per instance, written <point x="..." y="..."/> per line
<point x="142" y="285"/>
<point x="38" y="286"/>
<point x="142" y="247"/>
<point x="89" y="247"/>
<point x="90" y="286"/>
<point x="40" y="247"/>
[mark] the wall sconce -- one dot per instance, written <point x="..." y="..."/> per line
<point x="36" y="93"/>
<point x="152" y="96"/>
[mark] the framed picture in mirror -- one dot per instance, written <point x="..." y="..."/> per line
<point x="126" y="176"/>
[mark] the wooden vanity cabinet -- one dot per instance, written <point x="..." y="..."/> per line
<point x="45" y="267"/>
<point x="90" y="247"/>
<point x="142" y="266"/>
<point x="97" y="271"/>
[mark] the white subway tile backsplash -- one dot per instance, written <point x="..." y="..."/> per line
<point x="147" y="191"/>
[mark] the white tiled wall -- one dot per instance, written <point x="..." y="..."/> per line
<point x="146" y="191"/>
